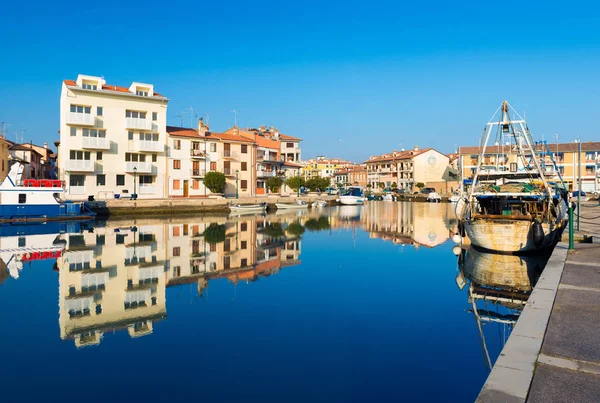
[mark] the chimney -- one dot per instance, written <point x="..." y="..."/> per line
<point x="416" y="148"/>
<point x="45" y="145"/>
<point x="262" y="128"/>
<point x="236" y="130"/>
<point x="202" y="128"/>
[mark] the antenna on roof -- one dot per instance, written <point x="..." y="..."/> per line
<point x="181" y="116"/>
<point x="207" y="118"/>
<point x="234" y="117"/>
<point x="20" y="137"/>
<point x="191" y="116"/>
<point x="3" y="127"/>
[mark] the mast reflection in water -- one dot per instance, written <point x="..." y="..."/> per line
<point x="341" y="304"/>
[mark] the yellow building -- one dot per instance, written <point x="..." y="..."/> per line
<point x="322" y="166"/>
<point x="565" y="155"/>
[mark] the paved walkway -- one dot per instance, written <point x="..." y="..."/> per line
<point x="568" y="367"/>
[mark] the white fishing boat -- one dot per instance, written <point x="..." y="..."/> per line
<point x="434" y="197"/>
<point x="454" y="199"/>
<point x="352" y="196"/>
<point x="36" y="199"/>
<point x="388" y="197"/>
<point x="319" y="203"/>
<point x="247" y="208"/>
<point x="511" y="206"/>
<point x="300" y="204"/>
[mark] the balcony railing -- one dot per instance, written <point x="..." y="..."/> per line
<point x="197" y="154"/>
<point x="82" y="119"/>
<point x="80" y="166"/>
<point x="140" y="167"/>
<point x="137" y="123"/>
<point x="95" y="143"/>
<point x="266" y="174"/>
<point x="228" y="172"/>
<point x="147" y="146"/>
<point x="198" y="173"/>
<point x="229" y="154"/>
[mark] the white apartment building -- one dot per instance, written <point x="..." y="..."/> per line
<point x="112" y="139"/>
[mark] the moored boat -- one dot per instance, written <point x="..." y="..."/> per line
<point x="36" y="200"/>
<point x="511" y="206"/>
<point x="298" y="205"/>
<point x="319" y="203"/>
<point x="352" y="196"/>
<point x="247" y="208"/>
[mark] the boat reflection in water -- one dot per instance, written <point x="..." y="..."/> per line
<point x="499" y="286"/>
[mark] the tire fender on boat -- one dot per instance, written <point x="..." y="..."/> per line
<point x="538" y="234"/>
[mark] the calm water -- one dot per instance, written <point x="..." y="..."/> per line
<point x="343" y="304"/>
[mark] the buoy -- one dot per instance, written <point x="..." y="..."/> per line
<point x="456" y="238"/>
<point x="456" y="250"/>
<point x="538" y="234"/>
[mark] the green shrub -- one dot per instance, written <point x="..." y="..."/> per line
<point x="215" y="181"/>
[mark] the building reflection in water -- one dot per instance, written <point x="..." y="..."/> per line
<point x="499" y="286"/>
<point x="113" y="276"/>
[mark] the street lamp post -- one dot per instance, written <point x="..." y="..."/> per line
<point x="134" y="183"/>
<point x="237" y="194"/>
<point x="578" y="183"/>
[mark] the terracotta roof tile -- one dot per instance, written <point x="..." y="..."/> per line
<point x="182" y="132"/>
<point x="229" y="137"/>
<point x="400" y="155"/>
<point x="108" y="87"/>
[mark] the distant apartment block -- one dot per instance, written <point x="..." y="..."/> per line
<point x="112" y="139"/>
<point x="322" y="167"/>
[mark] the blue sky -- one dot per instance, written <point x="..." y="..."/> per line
<point x="351" y="78"/>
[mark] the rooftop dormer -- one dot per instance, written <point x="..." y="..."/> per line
<point x="90" y="82"/>
<point x="141" y="89"/>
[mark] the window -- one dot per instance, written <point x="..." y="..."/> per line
<point x="244" y="184"/>
<point x="154" y="116"/>
<point x="130" y="135"/>
<point x="133" y="157"/>
<point x="244" y="149"/>
<point x="177" y="144"/>
<point x="100" y="180"/>
<point x="289" y="145"/>
<point x="93" y="133"/>
<point x="177" y="251"/>
<point x="213" y="247"/>
<point x="195" y="184"/>
<point x="98" y="155"/>
<point x="244" y="245"/>
<point x="88" y="86"/>
<point x="141" y="93"/>
<point x="244" y="166"/>
<point x="176" y="230"/>
<point x="176" y="184"/>
<point x="154" y="157"/>
<point x="120" y="180"/>
<point x="81" y="109"/>
<point x="73" y="131"/>
<point x="135" y="114"/>
<point x="176" y="164"/>
<point x="146" y="180"/>
<point x="244" y="262"/>
<point x="76" y="180"/>
<point x="213" y="165"/>
<point x="99" y="111"/>
<point x="213" y="147"/>
<point x="589" y="170"/>
<point x="79" y="155"/>
<point x="22" y="198"/>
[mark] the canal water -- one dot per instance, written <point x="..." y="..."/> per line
<point x="351" y="303"/>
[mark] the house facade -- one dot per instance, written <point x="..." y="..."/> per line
<point x="322" y="167"/>
<point x="112" y="139"/>
<point x="30" y="158"/>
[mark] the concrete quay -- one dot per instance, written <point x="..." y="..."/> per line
<point x="553" y="354"/>
<point x="180" y="206"/>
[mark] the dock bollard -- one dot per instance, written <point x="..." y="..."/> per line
<point x="571" y="229"/>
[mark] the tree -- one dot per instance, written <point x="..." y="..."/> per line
<point x="214" y="233"/>
<point x="273" y="230"/>
<point x="420" y="185"/>
<point x="274" y="184"/>
<point x="381" y="185"/>
<point x="295" y="182"/>
<point x="215" y="181"/>
<point x="320" y="224"/>
<point x="394" y="185"/>
<point x="369" y="186"/>
<point x="317" y="183"/>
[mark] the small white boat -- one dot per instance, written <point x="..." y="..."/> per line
<point x="352" y="196"/>
<point x="320" y="203"/>
<point x="434" y="197"/>
<point x="247" y="208"/>
<point x="298" y="205"/>
<point x="388" y="197"/>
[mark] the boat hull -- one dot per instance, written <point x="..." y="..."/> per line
<point x="40" y="212"/>
<point x="351" y="200"/>
<point x="510" y="236"/>
<point x="290" y="206"/>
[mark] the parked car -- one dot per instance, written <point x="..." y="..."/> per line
<point x="434" y="197"/>
<point x="426" y="191"/>
<point x="401" y="191"/>
<point x="576" y="193"/>
<point x="332" y="191"/>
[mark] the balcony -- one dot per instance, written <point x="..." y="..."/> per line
<point x="137" y="123"/>
<point x="140" y="167"/>
<point x="228" y="154"/>
<point x="95" y="143"/>
<point x="146" y="146"/>
<point x="197" y="154"/>
<point x="228" y="172"/>
<point x="197" y="173"/>
<point x="80" y="119"/>
<point x="266" y="174"/>
<point x="79" y="166"/>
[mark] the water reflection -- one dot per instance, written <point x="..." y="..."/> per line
<point x="499" y="287"/>
<point x="113" y="276"/>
